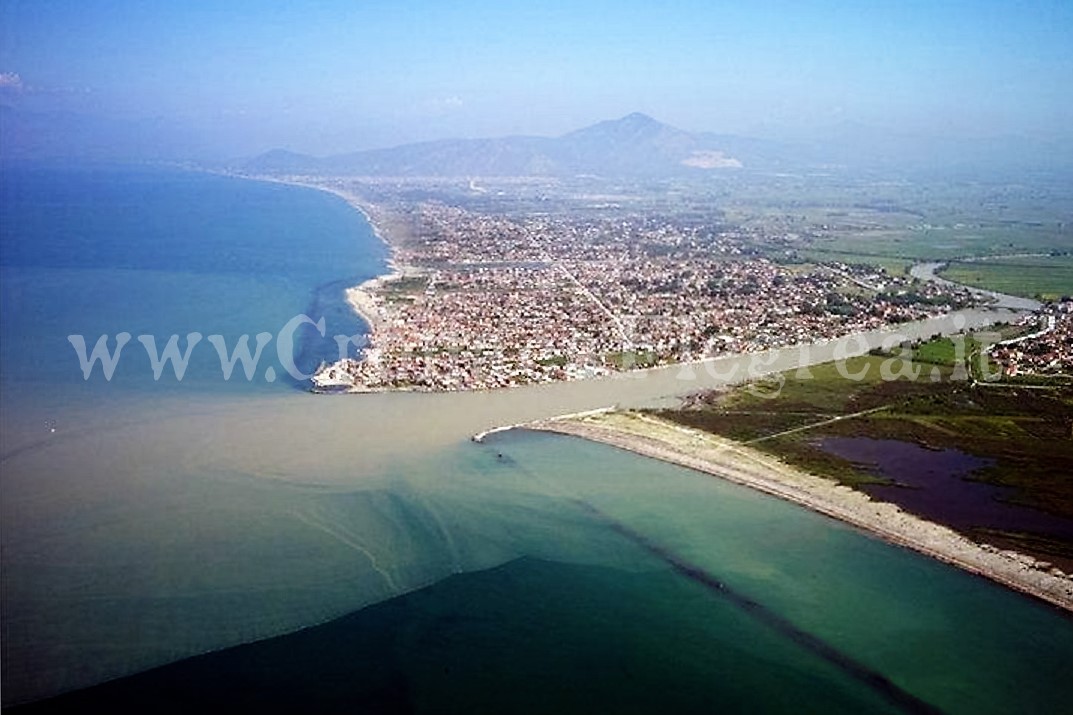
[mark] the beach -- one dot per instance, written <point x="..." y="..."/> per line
<point x="649" y="436"/>
<point x="365" y="299"/>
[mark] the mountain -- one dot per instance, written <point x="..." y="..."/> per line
<point x="635" y="145"/>
<point x="508" y="156"/>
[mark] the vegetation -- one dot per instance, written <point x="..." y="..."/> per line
<point x="1024" y="229"/>
<point x="1026" y="432"/>
<point x="942" y="351"/>
<point x="894" y="266"/>
<point x="630" y="359"/>
<point x="1042" y="277"/>
<point x="405" y="289"/>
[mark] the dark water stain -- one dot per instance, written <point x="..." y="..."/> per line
<point x="856" y="670"/>
<point x="529" y="636"/>
<point x="933" y="484"/>
<point x="872" y="679"/>
<point x="311" y="349"/>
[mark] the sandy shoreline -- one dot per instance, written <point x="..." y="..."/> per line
<point x="364" y="299"/>
<point x="666" y="441"/>
<point x="394" y="269"/>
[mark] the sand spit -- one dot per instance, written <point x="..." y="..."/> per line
<point x="660" y="439"/>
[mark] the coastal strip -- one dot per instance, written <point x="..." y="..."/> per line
<point x="365" y="299"/>
<point x="659" y="439"/>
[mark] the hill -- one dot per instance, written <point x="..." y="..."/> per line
<point x="635" y="145"/>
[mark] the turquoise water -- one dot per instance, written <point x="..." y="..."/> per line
<point x="368" y="554"/>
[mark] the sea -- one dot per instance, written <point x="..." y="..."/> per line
<point x="229" y="541"/>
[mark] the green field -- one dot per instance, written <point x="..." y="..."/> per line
<point x="1025" y="431"/>
<point x="892" y="265"/>
<point x="894" y="224"/>
<point x="630" y="359"/>
<point x="1044" y="277"/>
<point x="941" y="351"/>
<point x="931" y="242"/>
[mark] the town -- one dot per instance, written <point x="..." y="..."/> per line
<point x="487" y="299"/>
<point x="1047" y="350"/>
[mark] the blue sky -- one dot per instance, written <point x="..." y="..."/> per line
<point x="332" y="76"/>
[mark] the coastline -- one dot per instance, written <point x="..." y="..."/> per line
<point x="364" y="299"/>
<point x="361" y="298"/>
<point x="651" y="437"/>
<point x="351" y="200"/>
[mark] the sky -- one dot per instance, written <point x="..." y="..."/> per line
<point x="334" y="76"/>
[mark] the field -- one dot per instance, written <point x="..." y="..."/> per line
<point x="942" y="351"/>
<point x="1043" y="277"/>
<point x="1024" y="432"/>
<point x="894" y="224"/>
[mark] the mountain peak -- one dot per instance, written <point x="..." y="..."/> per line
<point x="631" y="127"/>
<point x="639" y="118"/>
<point x="633" y="145"/>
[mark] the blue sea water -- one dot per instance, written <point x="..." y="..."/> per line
<point x="289" y="552"/>
<point x="152" y="252"/>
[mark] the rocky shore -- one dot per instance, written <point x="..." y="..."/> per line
<point x="659" y="439"/>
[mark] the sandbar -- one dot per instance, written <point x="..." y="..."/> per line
<point x="650" y="436"/>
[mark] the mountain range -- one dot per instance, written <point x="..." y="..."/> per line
<point x="633" y="146"/>
<point x="640" y="146"/>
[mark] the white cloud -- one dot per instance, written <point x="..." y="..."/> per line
<point x="704" y="159"/>
<point x="10" y="82"/>
<point x="443" y="105"/>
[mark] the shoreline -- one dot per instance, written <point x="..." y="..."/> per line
<point x="658" y="439"/>
<point x="391" y="263"/>
<point x="363" y="298"/>
<point x="367" y="303"/>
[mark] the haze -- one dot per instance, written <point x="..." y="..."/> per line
<point x="215" y="80"/>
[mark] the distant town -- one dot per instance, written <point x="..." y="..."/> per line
<point x="497" y="294"/>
